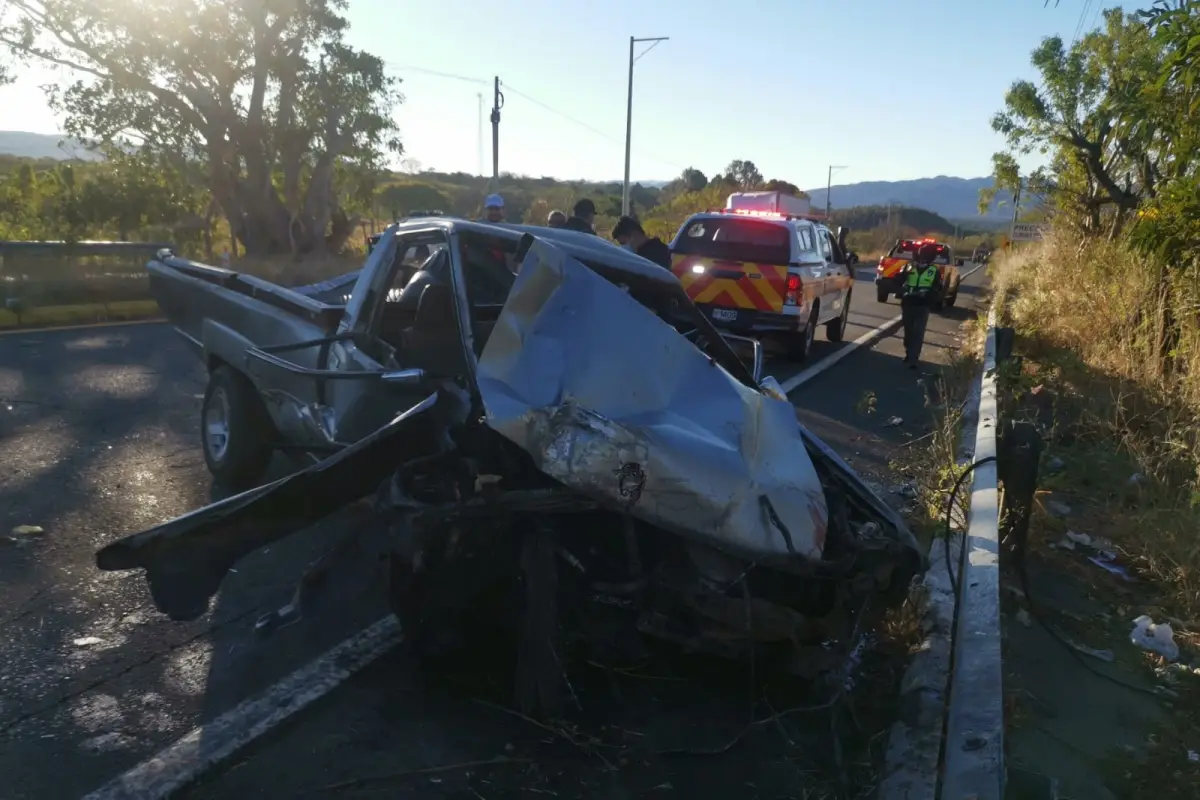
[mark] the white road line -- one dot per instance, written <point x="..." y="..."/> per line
<point x="204" y="747"/>
<point x="870" y="337"/>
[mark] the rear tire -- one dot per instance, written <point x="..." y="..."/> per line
<point x="235" y="430"/>
<point x="952" y="299"/>
<point x="799" y="344"/>
<point x="835" y="331"/>
<point x="881" y="294"/>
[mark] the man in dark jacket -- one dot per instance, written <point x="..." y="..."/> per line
<point x="628" y="233"/>
<point x="922" y="285"/>
<point x="583" y="217"/>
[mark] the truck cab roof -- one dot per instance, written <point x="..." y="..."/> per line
<point x="593" y="250"/>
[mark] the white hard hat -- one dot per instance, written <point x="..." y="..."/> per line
<point x="493" y="201"/>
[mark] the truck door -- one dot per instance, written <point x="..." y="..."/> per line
<point x="825" y="289"/>
<point x="350" y="409"/>
<point x="837" y="275"/>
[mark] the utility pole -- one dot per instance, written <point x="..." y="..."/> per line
<point x="480" y="96"/>
<point x="829" y="190"/>
<point x="497" y="104"/>
<point x="629" y="112"/>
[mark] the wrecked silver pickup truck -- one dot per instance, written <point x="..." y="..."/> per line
<point x="549" y="439"/>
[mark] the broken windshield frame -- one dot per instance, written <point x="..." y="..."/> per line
<point x="670" y="304"/>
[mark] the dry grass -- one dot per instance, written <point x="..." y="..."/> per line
<point x="933" y="464"/>
<point x="1124" y="420"/>
<point x="1120" y="405"/>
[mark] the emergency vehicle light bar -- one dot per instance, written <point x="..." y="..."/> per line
<point x="749" y="212"/>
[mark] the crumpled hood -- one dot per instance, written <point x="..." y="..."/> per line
<point x="613" y="402"/>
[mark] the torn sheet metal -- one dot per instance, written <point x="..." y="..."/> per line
<point x="613" y="402"/>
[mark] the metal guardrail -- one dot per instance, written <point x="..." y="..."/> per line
<point x="974" y="748"/>
<point x="949" y="741"/>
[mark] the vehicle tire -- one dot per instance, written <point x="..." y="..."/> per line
<point x="235" y="430"/>
<point x="952" y="298"/>
<point x="836" y="331"/>
<point x="881" y="294"/>
<point x="799" y="344"/>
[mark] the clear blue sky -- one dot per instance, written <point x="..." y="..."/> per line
<point x="893" y="90"/>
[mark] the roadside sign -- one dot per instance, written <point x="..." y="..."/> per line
<point x="1029" y="231"/>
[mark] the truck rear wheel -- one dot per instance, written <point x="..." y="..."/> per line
<point x="881" y="294"/>
<point x="235" y="430"/>
<point x="799" y="344"/>
<point x="835" y="331"/>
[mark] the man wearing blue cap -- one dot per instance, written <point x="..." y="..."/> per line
<point x="493" y="208"/>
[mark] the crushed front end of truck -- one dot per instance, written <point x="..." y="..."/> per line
<point x="601" y="480"/>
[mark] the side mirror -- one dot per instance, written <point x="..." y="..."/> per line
<point x="737" y="343"/>
<point x="404" y="377"/>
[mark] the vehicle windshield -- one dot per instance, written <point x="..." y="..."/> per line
<point x="736" y="239"/>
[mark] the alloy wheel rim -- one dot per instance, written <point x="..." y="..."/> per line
<point x="216" y="424"/>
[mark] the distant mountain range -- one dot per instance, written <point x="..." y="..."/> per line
<point x="44" y="145"/>
<point x="956" y="199"/>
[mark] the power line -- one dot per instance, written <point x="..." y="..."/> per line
<point x="435" y="73"/>
<point x="569" y="118"/>
<point x="553" y="110"/>
<point x="1087" y="4"/>
<point x="509" y="87"/>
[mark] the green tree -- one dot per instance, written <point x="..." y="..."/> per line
<point x="787" y="187"/>
<point x="1076" y="116"/>
<point x="401" y="198"/>
<point x="744" y="174"/>
<point x="693" y="180"/>
<point x="268" y="96"/>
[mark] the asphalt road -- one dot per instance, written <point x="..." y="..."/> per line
<point x="98" y="439"/>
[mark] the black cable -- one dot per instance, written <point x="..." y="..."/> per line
<point x="1021" y="539"/>
<point x="949" y="522"/>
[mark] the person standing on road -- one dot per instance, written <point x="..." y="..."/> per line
<point x="583" y="217"/>
<point x="557" y="219"/>
<point x="628" y="233"/>
<point x="921" y="285"/>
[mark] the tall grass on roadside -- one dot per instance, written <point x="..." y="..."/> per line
<point x="1116" y="337"/>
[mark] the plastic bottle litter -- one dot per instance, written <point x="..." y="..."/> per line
<point x="1156" y="638"/>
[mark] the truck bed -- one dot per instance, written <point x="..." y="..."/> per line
<point x="189" y="293"/>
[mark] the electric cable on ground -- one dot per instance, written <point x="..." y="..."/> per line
<point x="1020" y="549"/>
